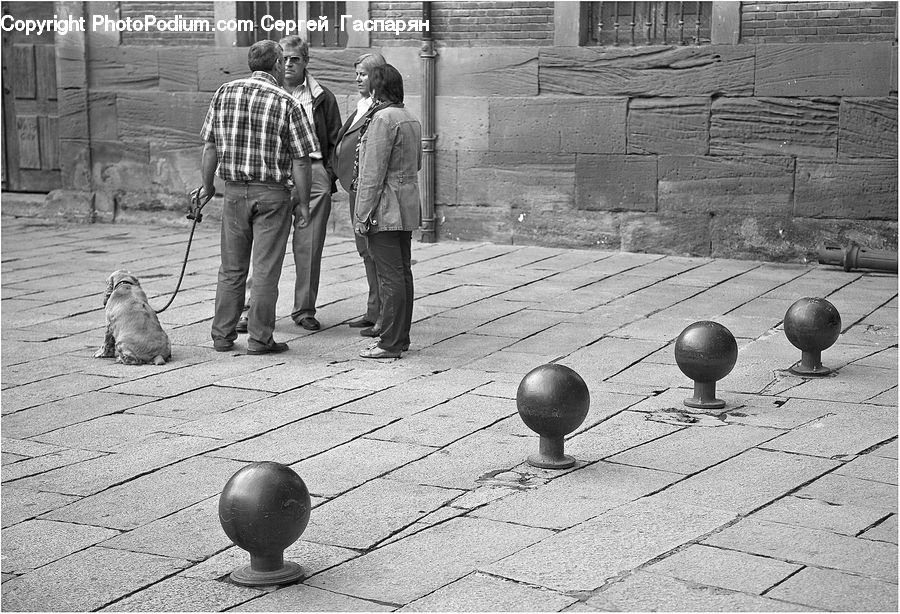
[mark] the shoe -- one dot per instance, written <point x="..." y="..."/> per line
<point x="360" y="322"/>
<point x="241" y="326"/>
<point x="377" y="352"/>
<point x="275" y="348"/>
<point x="223" y="346"/>
<point x="309" y="323"/>
<point x="370" y="331"/>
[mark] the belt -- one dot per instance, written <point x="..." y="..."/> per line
<point x="254" y="182"/>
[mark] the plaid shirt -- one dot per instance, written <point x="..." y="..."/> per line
<point x="258" y="128"/>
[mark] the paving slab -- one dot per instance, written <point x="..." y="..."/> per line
<point x="355" y="463"/>
<point x="66" y="412"/>
<point x="708" y="447"/>
<point x="885" y="531"/>
<point x="125" y="463"/>
<point x="32" y="544"/>
<point x="443" y="424"/>
<point x="416" y="566"/>
<point x="373" y="512"/>
<point x="106" y="433"/>
<point x="192" y="534"/>
<point x="651" y="593"/>
<point x="845" y="490"/>
<point x="870" y="467"/>
<point x="303" y="598"/>
<point x="727" y="569"/>
<point x="422" y="495"/>
<point x="481" y="593"/>
<point x="809" y="547"/>
<point x="837" y="435"/>
<point x="834" y="590"/>
<point x="268" y="413"/>
<point x="86" y="580"/>
<point x="303" y="438"/>
<point x="599" y="550"/>
<point x="577" y="496"/>
<point x="814" y="513"/>
<point x="312" y="557"/>
<point x="201" y="402"/>
<point x="16" y="467"/>
<point x="152" y="496"/>
<point x="748" y="481"/>
<point x="185" y="595"/>
<point x="620" y="432"/>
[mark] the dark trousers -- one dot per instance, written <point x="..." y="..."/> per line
<point x="373" y="302"/>
<point x="256" y="222"/>
<point x="308" y="243"/>
<point x="392" y="253"/>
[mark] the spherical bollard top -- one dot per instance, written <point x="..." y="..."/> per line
<point x="812" y="324"/>
<point x="264" y="508"/>
<point x="552" y="400"/>
<point x="706" y="351"/>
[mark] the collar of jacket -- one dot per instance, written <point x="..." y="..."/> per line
<point x="315" y="89"/>
<point x="262" y="75"/>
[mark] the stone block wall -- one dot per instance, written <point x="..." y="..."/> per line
<point x="739" y="151"/>
<point x="744" y="151"/>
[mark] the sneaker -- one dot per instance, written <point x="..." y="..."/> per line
<point x="377" y="352"/>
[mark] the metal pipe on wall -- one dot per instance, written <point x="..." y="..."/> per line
<point x="428" y="55"/>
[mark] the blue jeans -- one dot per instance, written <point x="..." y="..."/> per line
<point x="256" y="221"/>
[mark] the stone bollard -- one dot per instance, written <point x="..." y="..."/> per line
<point x="264" y="508"/>
<point x="552" y="401"/>
<point x="812" y="325"/>
<point x="706" y="352"/>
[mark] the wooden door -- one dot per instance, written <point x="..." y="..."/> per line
<point x="30" y="117"/>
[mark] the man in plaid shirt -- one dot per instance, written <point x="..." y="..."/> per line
<point x="257" y="138"/>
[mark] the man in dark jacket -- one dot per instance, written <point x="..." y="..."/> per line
<point x="309" y="239"/>
<point x="309" y="234"/>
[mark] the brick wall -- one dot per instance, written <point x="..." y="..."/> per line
<point x="472" y="23"/>
<point x="817" y="22"/>
<point x="168" y="10"/>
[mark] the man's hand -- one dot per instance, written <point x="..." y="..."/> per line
<point x="206" y="192"/>
<point x="301" y="211"/>
<point x="361" y="228"/>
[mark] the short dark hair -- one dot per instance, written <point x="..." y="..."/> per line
<point x="296" y="41"/>
<point x="387" y="83"/>
<point x="263" y="55"/>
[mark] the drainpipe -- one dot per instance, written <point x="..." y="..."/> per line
<point x="428" y="55"/>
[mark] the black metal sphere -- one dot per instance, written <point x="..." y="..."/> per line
<point x="552" y="400"/>
<point x="264" y="507"/>
<point x="812" y="324"/>
<point x="706" y="351"/>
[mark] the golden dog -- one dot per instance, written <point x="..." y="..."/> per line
<point x="134" y="335"/>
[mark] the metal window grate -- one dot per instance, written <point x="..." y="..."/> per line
<point x="255" y="11"/>
<point x="648" y="23"/>
<point x="334" y="37"/>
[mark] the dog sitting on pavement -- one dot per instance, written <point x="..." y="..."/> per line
<point x="134" y="335"/>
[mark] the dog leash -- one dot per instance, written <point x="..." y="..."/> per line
<point x="193" y="214"/>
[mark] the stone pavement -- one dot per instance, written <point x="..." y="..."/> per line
<point x="784" y="500"/>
